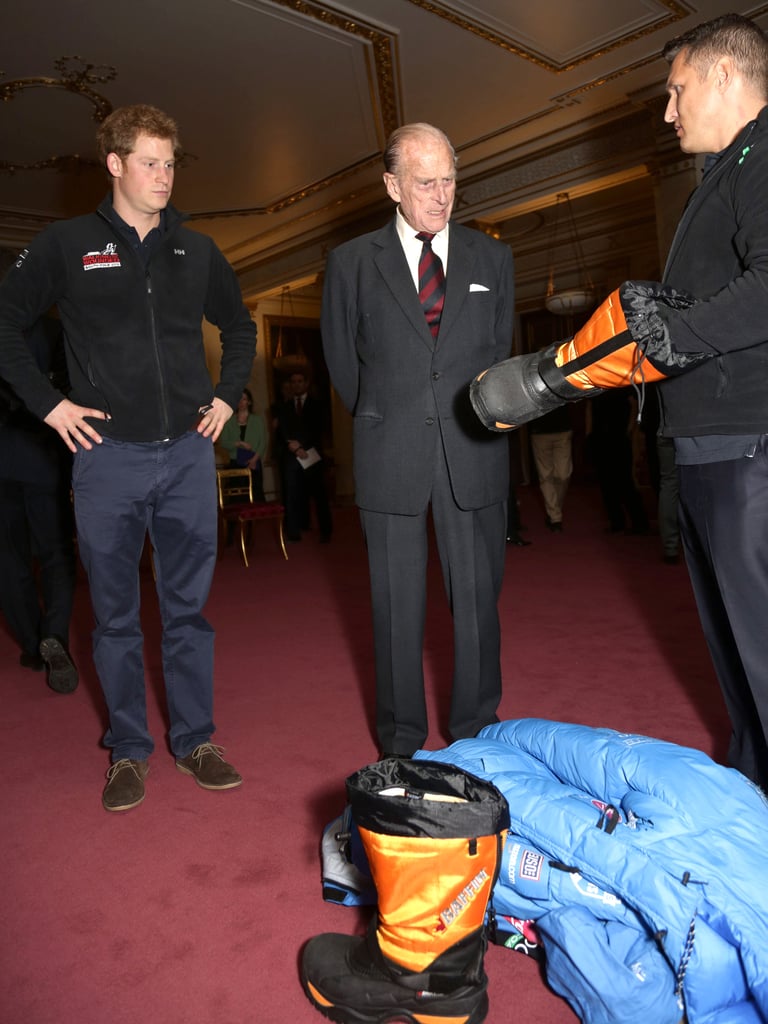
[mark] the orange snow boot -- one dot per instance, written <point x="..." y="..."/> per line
<point x="433" y="835"/>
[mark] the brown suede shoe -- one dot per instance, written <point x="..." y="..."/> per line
<point x="208" y="768"/>
<point x="125" y="785"/>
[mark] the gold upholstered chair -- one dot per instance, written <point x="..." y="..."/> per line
<point x="236" y="506"/>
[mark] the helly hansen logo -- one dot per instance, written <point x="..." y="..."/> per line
<point x="467" y="895"/>
<point x="179" y="252"/>
<point x="104" y="260"/>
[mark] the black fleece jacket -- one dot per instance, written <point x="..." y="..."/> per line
<point x="134" y="339"/>
<point x="720" y="255"/>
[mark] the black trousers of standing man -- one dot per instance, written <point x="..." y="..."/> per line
<point x="724" y="526"/>
<point x="302" y="488"/>
<point x="471" y="545"/>
<point x="36" y="522"/>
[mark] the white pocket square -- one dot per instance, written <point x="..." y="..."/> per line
<point x="478" y="288"/>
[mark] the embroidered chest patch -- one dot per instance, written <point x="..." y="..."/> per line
<point x="104" y="260"/>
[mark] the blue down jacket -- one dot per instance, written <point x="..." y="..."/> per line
<point x="643" y="864"/>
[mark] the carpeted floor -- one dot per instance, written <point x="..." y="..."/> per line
<point x="195" y="905"/>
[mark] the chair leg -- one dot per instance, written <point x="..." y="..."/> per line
<point x="242" y="542"/>
<point x="281" y="537"/>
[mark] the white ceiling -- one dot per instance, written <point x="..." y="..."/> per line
<point x="284" y="106"/>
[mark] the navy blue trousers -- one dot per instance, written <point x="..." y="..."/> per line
<point x="122" y="491"/>
<point x="724" y="525"/>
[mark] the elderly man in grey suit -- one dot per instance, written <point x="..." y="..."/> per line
<point x="411" y="313"/>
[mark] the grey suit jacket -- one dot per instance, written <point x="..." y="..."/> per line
<point x="400" y="385"/>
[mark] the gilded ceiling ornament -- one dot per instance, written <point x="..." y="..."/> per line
<point x="383" y="45"/>
<point x="76" y="76"/>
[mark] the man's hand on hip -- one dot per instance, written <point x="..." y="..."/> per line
<point x="213" y="417"/>
<point x="68" y="420"/>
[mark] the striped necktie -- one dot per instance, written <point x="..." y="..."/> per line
<point x="431" y="283"/>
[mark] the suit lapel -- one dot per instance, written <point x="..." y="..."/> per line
<point x="457" y="281"/>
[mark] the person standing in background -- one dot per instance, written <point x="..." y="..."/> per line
<point x="612" y="416"/>
<point x="300" y="428"/>
<point x="662" y="470"/>
<point x="36" y="522"/>
<point x="244" y="436"/>
<point x="514" y="522"/>
<point x="552" y="447"/>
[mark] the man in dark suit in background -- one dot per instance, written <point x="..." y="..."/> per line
<point x="300" y="427"/>
<point x="37" y="522"/>
<point x="403" y="336"/>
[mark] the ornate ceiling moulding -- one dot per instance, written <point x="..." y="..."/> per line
<point x="383" y="45"/>
<point x="76" y="76"/>
<point x="676" y="12"/>
<point x="565" y="99"/>
<point x="592" y="154"/>
<point x="286" y="201"/>
<point x="384" y="103"/>
<point x="577" y="125"/>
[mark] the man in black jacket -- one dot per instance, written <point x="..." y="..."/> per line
<point x="132" y="286"/>
<point x="717" y="413"/>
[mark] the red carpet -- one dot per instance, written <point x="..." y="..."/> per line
<point x="195" y="905"/>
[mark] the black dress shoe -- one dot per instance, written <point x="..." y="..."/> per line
<point x="389" y="753"/>
<point x="28" y="659"/>
<point x="517" y="540"/>
<point x="62" y="674"/>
